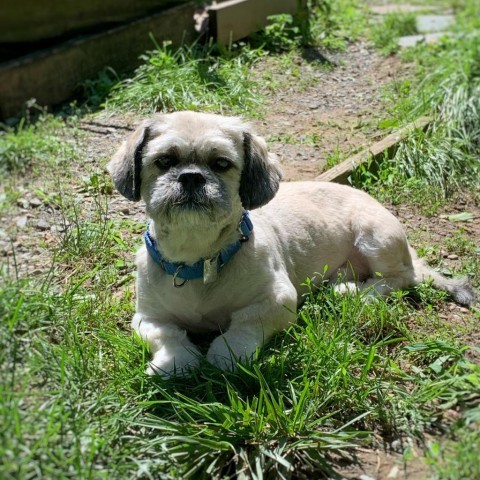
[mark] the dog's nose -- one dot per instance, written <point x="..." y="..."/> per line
<point x="191" y="180"/>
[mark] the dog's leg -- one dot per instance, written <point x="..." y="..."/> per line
<point x="252" y="326"/>
<point x="172" y="351"/>
<point x="389" y="263"/>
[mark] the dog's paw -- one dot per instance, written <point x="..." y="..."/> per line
<point x="224" y="362"/>
<point x="169" y="362"/>
<point x="346" y="288"/>
<point x="225" y="353"/>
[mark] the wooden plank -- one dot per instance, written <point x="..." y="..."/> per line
<point x="52" y="76"/>
<point x="31" y="20"/>
<point x="235" y="19"/>
<point x="340" y="173"/>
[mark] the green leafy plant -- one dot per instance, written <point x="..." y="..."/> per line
<point x="281" y="34"/>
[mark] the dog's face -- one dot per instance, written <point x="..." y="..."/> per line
<point x="195" y="168"/>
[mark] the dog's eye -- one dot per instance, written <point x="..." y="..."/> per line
<point x="221" y="165"/>
<point x="166" y="162"/>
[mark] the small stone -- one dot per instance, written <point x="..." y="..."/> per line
<point x="365" y="477"/>
<point x="21" y="222"/>
<point x="453" y="257"/>
<point x="23" y="203"/>
<point x="35" y="202"/>
<point x="464" y="310"/>
<point x="434" y="23"/>
<point x="43" y="225"/>
<point x="125" y="210"/>
<point x="396" y="446"/>
<point x="393" y="472"/>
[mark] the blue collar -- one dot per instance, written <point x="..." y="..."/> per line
<point x="204" y="268"/>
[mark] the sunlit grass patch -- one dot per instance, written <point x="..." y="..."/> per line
<point x="32" y="145"/>
<point x="190" y="78"/>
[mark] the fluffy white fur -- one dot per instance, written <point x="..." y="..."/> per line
<point x="298" y="230"/>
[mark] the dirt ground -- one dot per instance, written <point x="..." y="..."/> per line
<point x="319" y="112"/>
<point x="335" y="100"/>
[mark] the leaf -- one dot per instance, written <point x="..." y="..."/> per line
<point x="437" y="365"/>
<point x="460" y="217"/>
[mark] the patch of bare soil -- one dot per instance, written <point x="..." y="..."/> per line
<point x="436" y="231"/>
<point x="330" y="105"/>
<point x="383" y="463"/>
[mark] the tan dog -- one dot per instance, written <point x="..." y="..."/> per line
<point x="205" y="270"/>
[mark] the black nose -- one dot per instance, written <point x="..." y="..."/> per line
<point x="191" y="180"/>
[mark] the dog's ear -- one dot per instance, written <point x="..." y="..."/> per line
<point x="260" y="175"/>
<point x="126" y="165"/>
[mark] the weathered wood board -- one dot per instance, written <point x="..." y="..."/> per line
<point x="236" y="19"/>
<point x="52" y="75"/>
<point x="31" y="20"/>
<point x="340" y="173"/>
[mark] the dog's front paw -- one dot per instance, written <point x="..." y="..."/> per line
<point x="173" y="361"/>
<point x="225" y="352"/>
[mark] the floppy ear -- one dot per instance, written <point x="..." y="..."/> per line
<point x="126" y="165"/>
<point x="260" y="176"/>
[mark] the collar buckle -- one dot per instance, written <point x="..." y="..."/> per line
<point x="245" y="227"/>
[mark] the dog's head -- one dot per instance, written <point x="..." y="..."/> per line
<point x="195" y="166"/>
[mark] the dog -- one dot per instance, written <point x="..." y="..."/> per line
<point x="228" y="247"/>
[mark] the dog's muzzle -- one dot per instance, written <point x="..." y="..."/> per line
<point x="191" y="180"/>
<point x="192" y="189"/>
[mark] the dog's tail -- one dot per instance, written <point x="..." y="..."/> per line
<point x="459" y="288"/>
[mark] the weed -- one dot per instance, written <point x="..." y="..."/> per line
<point x="281" y="34"/>
<point x="32" y="145"/>
<point x="456" y="460"/>
<point x="385" y="34"/>
<point x="460" y="244"/>
<point x="430" y="166"/>
<point x="338" y="22"/>
<point x="96" y="90"/>
<point x="335" y="157"/>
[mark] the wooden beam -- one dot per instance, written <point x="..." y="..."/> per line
<point x="33" y="21"/>
<point x="340" y="173"/>
<point x="52" y="75"/>
<point x="235" y="19"/>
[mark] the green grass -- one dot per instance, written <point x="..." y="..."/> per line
<point x="429" y="166"/>
<point x="385" y="34"/>
<point x="456" y="460"/>
<point x="208" y="77"/>
<point x="33" y="144"/>
<point x="76" y="403"/>
<point x="337" y="22"/>
<point x="190" y="78"/>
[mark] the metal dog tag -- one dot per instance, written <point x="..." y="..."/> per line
<point x="210" y="270"/>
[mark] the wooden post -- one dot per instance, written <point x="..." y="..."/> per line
<point x="235" y="19"/>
